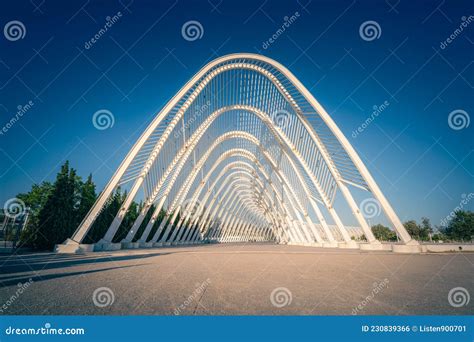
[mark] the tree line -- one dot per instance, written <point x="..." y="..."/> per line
<point x="459" y="228"/>
<point x="57" y="209"/>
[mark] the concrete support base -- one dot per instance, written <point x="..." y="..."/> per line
<point x="410" y="247"/>
<point x="332" y="244"/>
<point x="158" y="244"/>
<point x="349" y="244"/>
<point x="130" y="245"/>
<point x="146" y="244"/>
<point x="372" y="246"/>
<point x="72" y="247"/>
<point x="106" y="246"/>
<point x="446" y="247"/>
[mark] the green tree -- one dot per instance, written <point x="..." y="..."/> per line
<point x="144" y="223"/>
<point x="156" y="225"/>
<point x="127" y="222"/>
<point x="425" y="229"/>
<point x="383" y="233"/>
<point x="56" y="220"/>
<point x="461" y="227"/>
<point x="35" y="199"/>
<point x="105" y="217"/>
<point x="413" y="229"/>
<point x="87" y="199"/>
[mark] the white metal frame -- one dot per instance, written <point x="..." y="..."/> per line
<point x="290" y="170"/>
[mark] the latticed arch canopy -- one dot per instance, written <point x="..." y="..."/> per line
<point x="243" y="152"/>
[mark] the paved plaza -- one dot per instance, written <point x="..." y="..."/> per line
<point x="235" y="279"/>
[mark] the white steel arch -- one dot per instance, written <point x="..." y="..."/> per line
<point x="277" y="154"/>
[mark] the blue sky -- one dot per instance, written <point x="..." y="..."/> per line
<point x="423" y="165"/>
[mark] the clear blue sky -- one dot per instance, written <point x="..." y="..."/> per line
<point x="423" y="166"/>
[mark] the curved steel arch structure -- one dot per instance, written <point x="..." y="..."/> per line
<point x="243" y="152"/>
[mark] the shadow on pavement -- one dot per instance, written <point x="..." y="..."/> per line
<point x="37" y="278"/>
<point x="42" y="262"/>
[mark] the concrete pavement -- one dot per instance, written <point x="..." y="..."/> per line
<point x="235" y="279"/>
